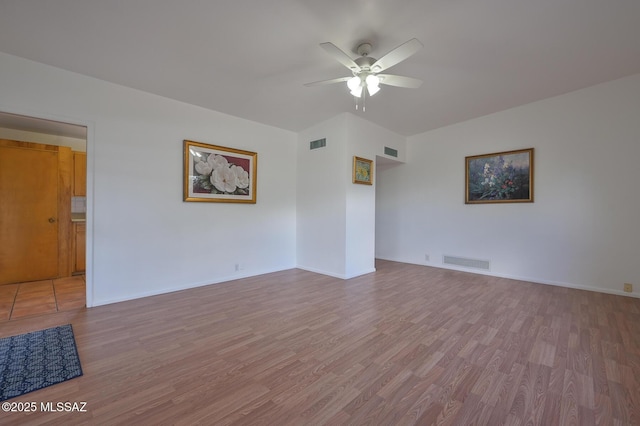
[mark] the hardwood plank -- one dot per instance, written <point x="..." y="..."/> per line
<point x="410" y="345"/>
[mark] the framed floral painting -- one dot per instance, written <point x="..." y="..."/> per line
<point x="218" y="174"/>
<point x="362" y="171"/>
<point x="502" y="177"/>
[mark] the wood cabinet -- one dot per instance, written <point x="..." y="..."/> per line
<point x="79" y="174"/>
<point x="78" y="242"/>
<point x="79" y="229"/>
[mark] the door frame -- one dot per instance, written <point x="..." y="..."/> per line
<point x="90" y="145"/>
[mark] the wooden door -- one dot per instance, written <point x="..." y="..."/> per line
<point x="28" y="214"/>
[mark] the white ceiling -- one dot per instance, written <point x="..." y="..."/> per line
<point x="38" y="125"/>
<point x="250" y="58"/>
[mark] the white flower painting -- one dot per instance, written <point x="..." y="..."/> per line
<point x="219" y="174"/>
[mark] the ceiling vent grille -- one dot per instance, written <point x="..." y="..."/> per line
<point x="466" y="263"/>
<point x="390" y="152"/>
<point x="320" y="143"/>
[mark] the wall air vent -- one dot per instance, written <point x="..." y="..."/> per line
<point x="320" y="143"/>
<point x="390" y="152"/>
<point x="466" y="263"/>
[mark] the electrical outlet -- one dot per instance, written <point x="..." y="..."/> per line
<point x="628" y="287"/>
<point x="237" y="267"/>
<point x="426" y="257"/>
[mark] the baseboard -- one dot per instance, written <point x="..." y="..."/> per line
<point x="364" y="272"/>
<point x="321" y="272"/>
<point x="173" y="289"/>
<point x="334" y="275"/>
<point x="521" y="278"/>
<point x="346" y="277"/>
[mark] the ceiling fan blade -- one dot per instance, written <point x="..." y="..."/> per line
<point x="399" y="81"/>
<point x="323" y="82"/>
<point x="397" y="55"/>
<point x="340" y="56"/>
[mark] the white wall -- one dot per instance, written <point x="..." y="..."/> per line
<point x="581" y="231"/>
<point x="366" y="140"/>
<point x="336" y="218"/>
<point x="142" y="238"/>
<point x="321" y="198"/>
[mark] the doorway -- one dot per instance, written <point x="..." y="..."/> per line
<point x="39" y="274"/>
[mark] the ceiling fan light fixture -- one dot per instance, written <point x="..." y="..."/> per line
<point x="372" y="80"/>
<point x="354" y="83"/>
<point x="355" y="86"/>
<point x="357" y="92"/>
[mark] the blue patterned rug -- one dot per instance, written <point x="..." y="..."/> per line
<point x="36" y="360"/>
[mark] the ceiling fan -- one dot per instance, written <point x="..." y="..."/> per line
<point x="366" y="70"/>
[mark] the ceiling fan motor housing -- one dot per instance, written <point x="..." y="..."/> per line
<point x="365" y="62"/>
<point x="364" y="49"/>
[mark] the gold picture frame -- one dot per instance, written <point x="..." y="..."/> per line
<point x="217" y="174"/>
<point x="501" y="177"/>
<point x="362" y="171"/>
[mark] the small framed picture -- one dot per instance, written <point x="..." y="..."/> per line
<point x="362" y="171"/>
<point x="218" y="174"/>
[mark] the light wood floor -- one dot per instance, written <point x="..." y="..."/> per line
<point x="41" y="297"/>
<point x="404" y="345"/>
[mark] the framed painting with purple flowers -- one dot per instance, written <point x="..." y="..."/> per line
<point x="218" y="174"/>
<point x="501" y="177"/>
